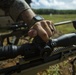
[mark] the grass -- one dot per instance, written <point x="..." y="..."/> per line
<point x="58" y="18"/>
<point x="61" y="18"/>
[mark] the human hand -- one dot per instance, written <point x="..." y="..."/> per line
<point x="45" y="29"/>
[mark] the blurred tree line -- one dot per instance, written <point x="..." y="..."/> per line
<point x="53" y="11"/>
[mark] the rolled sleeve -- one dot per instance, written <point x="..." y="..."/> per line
<point x="17" y="8"/>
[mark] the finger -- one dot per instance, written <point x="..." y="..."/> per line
<point x="46" y="28"/>
<point x="41" y="32"/>
<point x="51" y="26"/>
<point x="32" y="33"/>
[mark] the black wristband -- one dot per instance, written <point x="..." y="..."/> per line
<point x="35" y="19"/>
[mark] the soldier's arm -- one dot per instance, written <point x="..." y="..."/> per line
<point x="17" y="9"/>
<point x="21" y="8"/>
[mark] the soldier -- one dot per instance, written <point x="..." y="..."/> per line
<point x="19" y="9"/>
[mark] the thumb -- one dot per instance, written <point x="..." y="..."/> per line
<point x="32" y="33"/>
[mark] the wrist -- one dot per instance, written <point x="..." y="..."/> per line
<point x="35" y="20"/>
<point x="27" y="16"/>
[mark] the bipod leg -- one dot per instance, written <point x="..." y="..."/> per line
<point x="73" y="66"/>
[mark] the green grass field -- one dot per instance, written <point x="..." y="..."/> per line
<point x="60" y="18"/>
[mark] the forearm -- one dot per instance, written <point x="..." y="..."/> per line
<point x="27" y="16"/>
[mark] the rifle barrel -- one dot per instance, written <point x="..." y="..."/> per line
<point x="62" y="23"/>
<point x="16" y="26"/>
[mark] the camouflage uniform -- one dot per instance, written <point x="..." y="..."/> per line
<point x="14" y="7"/>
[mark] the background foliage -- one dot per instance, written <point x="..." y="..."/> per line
<point x="53" y="11"/>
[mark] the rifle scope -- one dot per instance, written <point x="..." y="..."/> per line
<point x="35" y="49"/>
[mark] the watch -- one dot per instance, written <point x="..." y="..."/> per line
<point x="35" y="19"/>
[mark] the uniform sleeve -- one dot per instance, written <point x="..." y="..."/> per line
<point x="14" y="7"/>
<point x="17" y="8"/>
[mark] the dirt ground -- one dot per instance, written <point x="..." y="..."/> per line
<point x="63" y="68"/>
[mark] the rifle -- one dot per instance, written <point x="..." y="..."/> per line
<point x="38" y="54"/>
